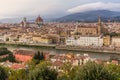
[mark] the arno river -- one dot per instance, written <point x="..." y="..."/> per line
<point x="103" y="56"/>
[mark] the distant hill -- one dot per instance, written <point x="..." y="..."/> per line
<point x="91" y="16"/>
<point x="19" y="19"/>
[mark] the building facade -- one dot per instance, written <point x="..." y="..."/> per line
<point x="23" y="55"/>
<point x="71" y="41"/>
<point x="90" y="29"/>
<point x="116" y="41"/>
<point x="90" y="41"/>
<point x="84" y="30"/>
<point x="106" y="41"/>
<point x="85" y="41"/>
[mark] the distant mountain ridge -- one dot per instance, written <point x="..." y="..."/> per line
<point x="19" y="19"/>
<point x="29" y="19"/>
<point x="91" y="16"/>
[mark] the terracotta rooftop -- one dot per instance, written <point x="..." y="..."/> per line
<point x="17" y="66"/>
<point x="57" y="63"/>
<point x="25" y="52"/>
<point x="87" y="26"/>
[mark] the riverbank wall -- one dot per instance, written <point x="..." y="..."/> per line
<point x="29" y="45"/>
<point x="90" y="49"/>
<point x="69" y="48"/>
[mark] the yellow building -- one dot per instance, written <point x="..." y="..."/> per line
<point x="70" y="55"/>
<point x="89" y="29"/>
<point x="54" y="38"/>
<point x="84" y="30"/>
<point x="106" y="41"/>
<point x="39" y="39"/>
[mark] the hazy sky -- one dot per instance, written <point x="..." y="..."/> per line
<point x="53" y="8"/>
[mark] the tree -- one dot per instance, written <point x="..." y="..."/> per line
<point x="94" y="71"/>
<point x="18" y="75"/>
<point x="69" y="72"/>
<point x="115" y="69"/>
<point x="3" y="73"/>
<point x="42" y="72"/>
<point x="11" y="57"/>
<point x="38" y="57"/>
<point x="67" y="67"/>
<point x="4" y="51"/>
<point x="113" y="34"/>
<point x="41" y="56"/>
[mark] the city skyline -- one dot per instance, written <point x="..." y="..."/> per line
<point x="54" y="8"/>
<point x="60" y="39"/>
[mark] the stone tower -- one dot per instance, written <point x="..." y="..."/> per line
<point x="99" y="25"/>
<point x="24" y="22"/>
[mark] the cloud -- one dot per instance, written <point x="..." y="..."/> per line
<point x="96" y="6"/>
<point x="21" y="8"/>
<point x="49" y="8"/>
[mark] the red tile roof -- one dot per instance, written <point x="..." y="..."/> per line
<point x="18" y="66"/>
<point x="57" y="63"/>
<point x="25" y="52"/>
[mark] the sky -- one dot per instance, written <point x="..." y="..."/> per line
<point x="53" y="8"/>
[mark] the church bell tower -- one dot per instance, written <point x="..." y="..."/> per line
<point x="99" y="25"/>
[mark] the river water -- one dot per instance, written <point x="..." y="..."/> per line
<point x="103" y="56"/>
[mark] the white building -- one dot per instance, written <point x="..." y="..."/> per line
<point x="90" y="41"/>
<point x="85" y="41"/>
<point x="4" y="37"/>
<point x="115" y="41"/>
<point x="71" y="41"/>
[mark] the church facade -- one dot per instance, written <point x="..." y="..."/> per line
<point x="38" y="22"/>
<point x="89" y="29"/>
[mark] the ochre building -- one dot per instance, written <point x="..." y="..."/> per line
<point x="90" y="29"/>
